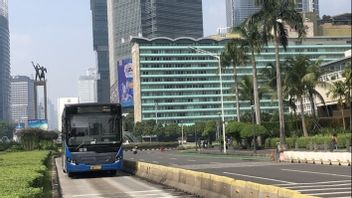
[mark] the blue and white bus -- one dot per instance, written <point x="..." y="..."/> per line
<point x="92" y="138"/>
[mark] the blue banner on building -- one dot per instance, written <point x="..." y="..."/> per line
<point x="38" y="123"/>
<point x="125" y="76"/>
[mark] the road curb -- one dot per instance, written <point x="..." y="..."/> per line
<point x="55" y="184"/>
<point x="205" y="184"/>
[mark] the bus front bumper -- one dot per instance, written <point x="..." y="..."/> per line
<point x="75" y="168"/>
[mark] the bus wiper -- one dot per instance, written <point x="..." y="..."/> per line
<point x="80" y="145"/>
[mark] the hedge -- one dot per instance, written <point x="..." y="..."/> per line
<point x="343" y="140"/>
<point x="22" y="173"/>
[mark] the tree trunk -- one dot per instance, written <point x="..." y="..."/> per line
<point x="237" y="95"/>
<point x="304" y="127"/>
<point x="279" y="91"/>
<point x="343" y="115"/>
<point x="311" y="100"/>
<point x="255" y="91"/>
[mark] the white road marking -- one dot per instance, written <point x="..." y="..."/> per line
<point x="324" y="182"/>
<point x="263" y="178"/>
<point x="191" y="160"/>
<point x="129" y="192"/>
<point x="327" y="185"/>
<point x="155" y="162"/>
<point x="173" y="158"/>
<point x="322" y="189"/>
<point x="330" y="193"/>
<point x="292" y="170"/>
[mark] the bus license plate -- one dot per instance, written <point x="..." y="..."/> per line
<point x="95" y="167"/>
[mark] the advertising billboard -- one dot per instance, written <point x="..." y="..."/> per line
<point x="125" y="78"/>
<point x="38" y="123"/>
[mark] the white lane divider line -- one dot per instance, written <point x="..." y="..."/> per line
<point x="155" y="162"/>
<point x="312" y="186"/>
<point x="128" y="192"/>
<point x="191" y="160"/>
<point x="173" y="158"/>
<point x="322" y="189"/>
<point x="263" y="178"/>
<point x="311" y="183"/>
<point x="330" y="193"/>
<point x="331" y="174"/>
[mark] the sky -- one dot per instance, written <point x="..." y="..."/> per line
<point x="58" y="35"/>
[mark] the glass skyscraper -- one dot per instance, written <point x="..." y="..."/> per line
<point x="4" y="62"/>
<point x="149" y="19"/>
<point x="100" y="42"/>
<point x="22" y="99"/>
<point x="238" y="10"/>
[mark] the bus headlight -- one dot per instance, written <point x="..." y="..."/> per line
<point x="119" y="157"/>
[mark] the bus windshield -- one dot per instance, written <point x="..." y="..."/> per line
<point x="93" y="129"/>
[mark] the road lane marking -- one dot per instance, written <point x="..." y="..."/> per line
<point x="330" y="193"/>
<point x="292" y="170"/>
<point x="263" y="178"/>
<point x="155" y="162"/>
<point x="191" y="160"/>
<point x="322" y="189"/>
<point x="324" y="182"/>
<point x="173" y="158"/>
<point x="326" y="185"/>
<point x="129" y="192"/>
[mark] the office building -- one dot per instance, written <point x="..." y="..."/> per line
<point x="4" y="62"/>
<point x="239" y="10"/>
<point x="100" y="42"/>
<point x="22" y="99"/>
<point x="52" y="116"/>
<point x="147" y="18"/>
<point x="87" y="87"/>
<point x="61" y="102"/>
<point x="173" y="83"/>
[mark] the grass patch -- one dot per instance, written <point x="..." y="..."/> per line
<point x="24" y="174"/>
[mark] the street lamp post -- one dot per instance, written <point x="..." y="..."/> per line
<point x="221" y="90"/>
<point x="254" y="138"/>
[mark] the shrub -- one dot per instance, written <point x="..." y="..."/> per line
<point x="22" y="173"/>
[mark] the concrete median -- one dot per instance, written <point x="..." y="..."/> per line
<point x="332" y="158"/>
<point x="205" y="184"/>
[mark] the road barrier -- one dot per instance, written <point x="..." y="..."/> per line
<point x="205" y="184"/>
<point x="331" y="158"/>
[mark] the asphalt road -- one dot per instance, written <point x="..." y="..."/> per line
<point x="312" y="179"/>
<point x="99" y="185"/>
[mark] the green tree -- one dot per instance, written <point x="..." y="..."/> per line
<point x="252" y="44"/>
<point x="209" y="130"/>
<point x="302" y="78"/>
<point x="339" y="91"/>
<point x="234" y="128"/>
<point x="347" y="74"/>
<point x="6" y="129"/>
<point x="272" y="18"/>
<point x="172" y="132"/>
<point x="234" y="55"/>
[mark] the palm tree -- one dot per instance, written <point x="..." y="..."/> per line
<point x="252" y="43"/>
<point x="296" y="69"/>
<point x="348" y="80"/>
<point x="339" y="91"/>
<point x="272" y="18"/>
<point x="312" y="81"/>
<point x="235" y="55"/>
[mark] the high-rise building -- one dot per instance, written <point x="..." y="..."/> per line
<point x="175" y="84"/>
<point x="61" y="102"/>
<point x="52" y="116"/>
<point x="22" y="99"/>
<point x="100" y="42"/>
<point x="87" y="87"/>
<point x="239" y="10"/>
<point x="150" y="19"/>
<point x="4" y="62"/>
